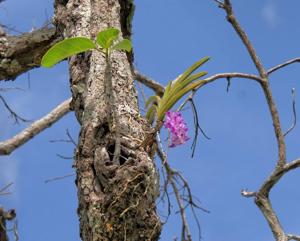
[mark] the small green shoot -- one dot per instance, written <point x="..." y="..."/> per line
<point x="107" y="40"/>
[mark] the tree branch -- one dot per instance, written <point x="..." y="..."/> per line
<point x="292" y="61"/>
<point x="293" y="237"/>
<point x="158" y="88"/>
<point x="6" y="147"/>
<point x="19" y="54"/>
<point x="232" y="75"/>
<point x="262" y="196"/>
<point x="264" y="82"/>
<point x="243" y="36"/>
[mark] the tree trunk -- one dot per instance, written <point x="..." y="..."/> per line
<point x="116" y="200"/>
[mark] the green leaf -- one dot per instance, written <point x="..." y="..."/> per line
<point x="168" y="87"/>
<point x="182" y="81"/>
<point x="151" y="113"/>
<point x="155" y="99"/>
<point x="178" y="85"/>
<point x="191" y="69"/>
<point x="176" y="97"/>
<point x="65" y="49"/>
<point x="106" y="37"/>
<point x="125" y="45"/>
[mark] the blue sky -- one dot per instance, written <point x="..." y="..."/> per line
<point x="168" y="36"/>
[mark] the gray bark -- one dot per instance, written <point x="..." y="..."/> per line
<point x="19" y="54"/>
<point x="116" y="200"/>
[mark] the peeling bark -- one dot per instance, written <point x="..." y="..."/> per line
<point x="19" y="54"/>
<point x="116" y="201"/>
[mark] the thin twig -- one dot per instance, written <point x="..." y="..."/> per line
<point x="5" y="188"/>
<point x="292" y="61"/>
<point x="178" y="183"/>
<point x="15" y="116"/>
<point x="158" y="88"/>
<point x="64" y="157"/>
<point x="6" y="147"/>
<point x="294" y="113"/>
<point x="69" y="140"/>
<point x="59" y="178"/>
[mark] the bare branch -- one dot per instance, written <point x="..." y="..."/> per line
<point x="264" y="81"/>
<point x="232" y="75"/>
<point x="262" y="196"/>
<point x="59" y="178"/>
<point x="246" y="193"/>
<point x="5" y="187"/>
<point x="158" y="88"/>
<point x="185" y="226"/>
<point x="69" y="140"/>
<point x="19" y="54"/>
<point x="6" y="147"/>
<point x="292" y="61"/>
<point x="243" y="36"/>
<point x="293" y="237"/>
<point x="13" y="114"/>
<point x="196" y="121"/>
<point x="294" y="113"/>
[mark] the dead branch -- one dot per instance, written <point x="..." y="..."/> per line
<point x="13" y="114"/>
<point x="6" y="147"/>
<point x="3" y="189"/>
<point x="59" y="178"/>
<point x="180" y="186"/>
<point x="232" y="75"/>
<point x="262" y="196"/>
<point x="18" y="54"/>
<point x="227" y="6"/>
<point x="293" y="237"/>
<point x="158" y="88"/>
<point x="69" y="140"/>
<point x="294" y="113"/>
<point x="292" y="61"/>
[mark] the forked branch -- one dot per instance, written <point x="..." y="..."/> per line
<point x="262" y="196"/>
<point x="6" y="147"/>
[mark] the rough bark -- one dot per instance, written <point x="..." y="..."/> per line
<point x="5" y="216"/>
<point x="116" y="201"/>
<point x="19" y="54"/>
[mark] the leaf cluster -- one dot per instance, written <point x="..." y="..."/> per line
<point x="158" y="106"/>
<point x="106" y="41"/>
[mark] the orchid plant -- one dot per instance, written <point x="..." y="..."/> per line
<point x="159" y="107"/>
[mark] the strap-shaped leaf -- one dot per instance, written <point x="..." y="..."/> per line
<point x="124" y="45"/>
<point x="65" y="49"/>
<point x="178" y="85"/>
<point x="151" y="113"/>
<point x="106" y="37"/>
<point x="168" y="87"/>
<point x="155" y="99"/>
<point x="191" y="79"/>
<point x="173" y="99"/>
<point x="191" y="69"/>
<point x="183" y="80"/>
